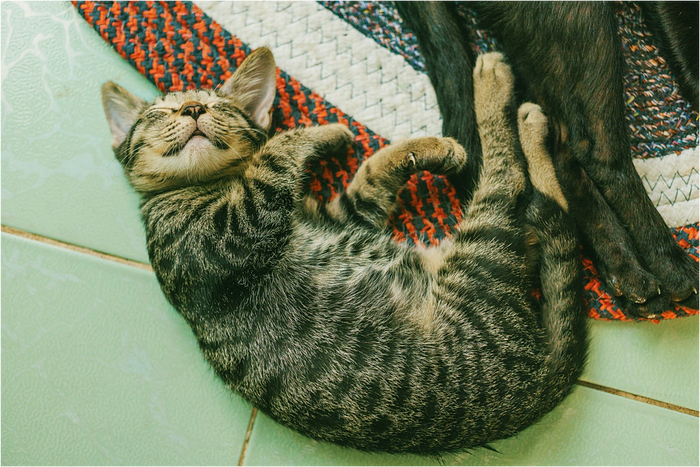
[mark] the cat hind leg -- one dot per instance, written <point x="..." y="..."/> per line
<point x="559" y="268"/>
<point x="532" y="130"/>
<point x="503" y="176"/>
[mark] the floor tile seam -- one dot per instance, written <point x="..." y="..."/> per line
<point x="75" y="248"/>
<point x="117" y="259"/>
<point x="638" y="398"/>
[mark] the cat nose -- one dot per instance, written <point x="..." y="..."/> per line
<point x="192" y="109"/>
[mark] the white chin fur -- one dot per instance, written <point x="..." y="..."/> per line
<point x="200" y="159"/>
<point x="195" y="145"/>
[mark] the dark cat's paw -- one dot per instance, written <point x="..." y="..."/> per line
<point x="673" y="274"/>
<point x="654" y="308"/>
<point x="493" y="84"/>
<point x="677" y="272"/>
<point x="651" y="309"/>
<point x="438" y="155"/>
<point x="629" y="280"/>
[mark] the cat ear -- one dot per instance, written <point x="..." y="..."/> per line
<point x="122" y="108"/>
<point x="254" y="84"/>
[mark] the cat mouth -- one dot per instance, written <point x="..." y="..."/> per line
<point x="192" y="141"/>
<point x="196" y="139"/>
<point x="197" y="132"/>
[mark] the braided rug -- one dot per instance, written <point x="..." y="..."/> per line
<point x="179" y="46"/>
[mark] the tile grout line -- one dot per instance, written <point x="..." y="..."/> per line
<point x="127" y="262"/>
<point x="76" y="248"/>
<point x="248" y="432"/>
<point x="635" y="397"/>
<point x="147" y="267"/>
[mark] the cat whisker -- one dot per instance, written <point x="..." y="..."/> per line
<point x="229" y="146"/>
<point x="242" y="132"/>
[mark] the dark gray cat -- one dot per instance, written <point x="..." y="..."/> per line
<point x="313" y="313"/>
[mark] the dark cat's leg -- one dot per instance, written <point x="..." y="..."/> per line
<point x="558" y="48"/>
<point x="675" y="27"/>
<point x="371" y="197"/>
<point x="604" y="153"/>
<point x="449" y="62"/>
<point x="601" y="227"/>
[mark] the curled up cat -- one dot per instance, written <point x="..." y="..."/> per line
<point x="313" y="313"/>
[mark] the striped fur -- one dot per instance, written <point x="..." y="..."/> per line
<point x="315" y="315"/>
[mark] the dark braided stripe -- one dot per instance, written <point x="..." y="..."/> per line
<point x="177" y="47"/>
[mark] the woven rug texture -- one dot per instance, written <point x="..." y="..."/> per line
<point x="358" y="56"/>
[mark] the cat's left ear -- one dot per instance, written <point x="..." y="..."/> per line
<point x="254" y="84"/>
<point x="122" y="108"/>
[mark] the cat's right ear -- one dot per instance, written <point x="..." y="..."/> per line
<point x="122" y="108"/>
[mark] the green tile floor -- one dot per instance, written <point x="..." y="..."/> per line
<point x="98" y="369"/>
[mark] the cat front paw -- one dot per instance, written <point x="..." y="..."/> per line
<point x="438" y="155"/>
<point x="493" y="84"/>
<point x="337" y="132"/>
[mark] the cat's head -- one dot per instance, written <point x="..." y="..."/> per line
<point x="191" y="137"/>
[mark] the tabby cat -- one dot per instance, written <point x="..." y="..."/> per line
<point x="313" y="313"/>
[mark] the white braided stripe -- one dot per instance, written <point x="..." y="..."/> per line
<point x="672" y="183"/>
<point x="350" y="70"/>
<point x="379" y="89"/>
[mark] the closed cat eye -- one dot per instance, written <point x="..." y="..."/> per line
<point x="160" y="109"/>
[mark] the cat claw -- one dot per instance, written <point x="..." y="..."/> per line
<point x="410" y="162"/>
<point x="678" y="299"/>
<point x="638" y="300"/>
<point x="614" y="283"/>
<point x="641" y="300"/>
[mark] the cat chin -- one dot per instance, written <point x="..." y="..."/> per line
<point x="199" y="160"/>
<point x="198" y="149"/>
<point x="197" y="143"/>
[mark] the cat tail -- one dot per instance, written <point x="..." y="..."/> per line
<point x="563" y="311"/>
